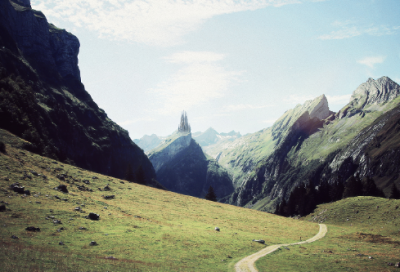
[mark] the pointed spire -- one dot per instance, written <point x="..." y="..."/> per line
<point x="184" y="125"/>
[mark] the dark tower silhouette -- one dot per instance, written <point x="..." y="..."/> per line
<point x="184" y="125"/>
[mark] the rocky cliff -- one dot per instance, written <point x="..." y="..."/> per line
<point x="182" y="167"/>
<point x="43" y="100"/>
<point x="360" y="139"/>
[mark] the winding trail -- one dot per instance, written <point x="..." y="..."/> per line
<point x="247" y="264"/>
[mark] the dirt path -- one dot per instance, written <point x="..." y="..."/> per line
<point x="247" y="264"/>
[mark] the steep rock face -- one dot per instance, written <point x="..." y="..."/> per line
<point x="182" y="167"/>
<point x="191" y="173"/>
<point x="51" y="51"/>
<point x="241" y="156"/>
<point x="170" y="150"/>
<point x="361" y="138"/>
<point x="43" y="101"/>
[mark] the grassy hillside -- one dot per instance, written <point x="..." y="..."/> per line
<point x="143" y="228"/>
<point x="358" y="228"/>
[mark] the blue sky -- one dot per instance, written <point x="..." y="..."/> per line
<point x="231" y="64"/>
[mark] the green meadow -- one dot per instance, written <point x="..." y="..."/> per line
<point x="363" y="235"/>
<point x="140" y="229"/>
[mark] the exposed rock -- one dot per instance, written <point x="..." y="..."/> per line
<point x="69" y="124"/>
<point x="61" y="188"/>
<point x="93" y="216"/>
<point x="32" y="229"/>
<point x="18" y="188"/>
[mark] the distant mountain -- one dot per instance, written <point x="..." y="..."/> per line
<point x="148" y="142"/>
<point x="182" y="167"/>
<point x="211" y="136"/>
<point x="44" y="102"/>
<point x="312" y="144"/>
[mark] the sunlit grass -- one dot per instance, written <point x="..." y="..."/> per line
<point x="143" y="228"/>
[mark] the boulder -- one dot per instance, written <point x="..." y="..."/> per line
<point x="2" y="208"/>
<point x="62" y="188"/>
<point x="14" y="237"/>
<point x="93" y="216"/>
<point x="32" y="229"/>
<point x="56" y="222"/>
<point x="107" y="188"/>
<point x="259" y="241"/>
<point x="16" y="187"/>
<point x="61" y="243"/>
<point x="93" y="243"/>
<point x="109" y="197"/>
<point x="217" y="229"/>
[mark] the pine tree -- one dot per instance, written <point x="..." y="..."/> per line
<point x="211" y="195"/>
<point x="129" y="174"/>
<point x="394" y="192"/>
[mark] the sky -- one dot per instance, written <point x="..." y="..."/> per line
<point x="230" y="64"/>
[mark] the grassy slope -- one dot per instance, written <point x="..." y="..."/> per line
<point x="247" y="151"/>
<point x="339" y="133"/>
<point x="358" y="227"/>
<point x="144" y="228"/>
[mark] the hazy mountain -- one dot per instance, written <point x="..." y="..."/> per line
<point x="44" y="101"/>
<point x="211" y="137"/>
<point x="182" y="167"/>
<point x="148" y="142"/>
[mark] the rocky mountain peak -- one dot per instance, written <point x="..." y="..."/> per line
<point x="373" y="91"/>
<point x="184" y="126"/>
<point x="321" y="109"/>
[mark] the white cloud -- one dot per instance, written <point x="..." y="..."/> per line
<point x="200" y="80"/>
<point x="348" y="29"/>
<point x="239" y="107"/>
<point x="153" y="22"/>
<point x="371" y="61"/>
<point x="338" y="99"/>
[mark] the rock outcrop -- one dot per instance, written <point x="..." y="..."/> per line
<point x="53" y="52"/>
<point x="44" y="102"/>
